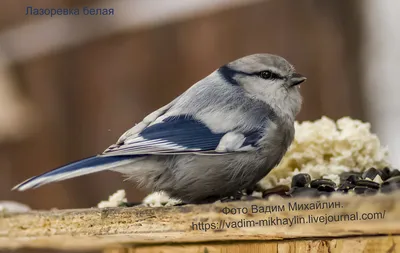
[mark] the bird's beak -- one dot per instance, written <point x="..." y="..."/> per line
<point x="297" y="79"/>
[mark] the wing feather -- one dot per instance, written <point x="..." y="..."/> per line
<point x="179" y="135"/>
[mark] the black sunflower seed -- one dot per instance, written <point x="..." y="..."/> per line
<point x="353" y="179"/>
<point x="280" y="190"/>
<point x="385" y="173"/>
<point x="326" y="188"/>
<point x="345" y="187"/>
<point x="345" y="175"/>
<point x="371" y="173"/>
<point x="318" y="182"/>
<point x="301" y="180"/>
<point x="367" y="183"/>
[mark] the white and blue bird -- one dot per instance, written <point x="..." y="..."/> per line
<point x="221" y="136"/>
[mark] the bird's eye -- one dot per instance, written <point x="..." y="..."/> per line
<point x="266" y="74"/>
<point x="269" y="75"/>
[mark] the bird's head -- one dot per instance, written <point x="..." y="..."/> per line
<point x="269" y="78"/>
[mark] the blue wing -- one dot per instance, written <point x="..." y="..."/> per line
<point x="177" y="134"/>
<point x="173" y="135"/>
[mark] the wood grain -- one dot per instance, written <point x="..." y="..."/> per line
<point x="112" y="227"/>
<point x="343" y="245"/>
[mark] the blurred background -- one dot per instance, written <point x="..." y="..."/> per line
<point x="71" y="85"/>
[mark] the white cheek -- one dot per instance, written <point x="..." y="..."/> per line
<point x="261" y="88"/>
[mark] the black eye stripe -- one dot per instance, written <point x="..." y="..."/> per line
<point x="266" y="74"/>
<point x="228" y="74"/>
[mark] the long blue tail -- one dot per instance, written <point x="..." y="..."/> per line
<point x="79" y="168"/>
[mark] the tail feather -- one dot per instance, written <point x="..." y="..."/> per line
<point x="79" y="168"/>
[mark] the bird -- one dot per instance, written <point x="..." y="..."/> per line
<point x="222" y="135"/>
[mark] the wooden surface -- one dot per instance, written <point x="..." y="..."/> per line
<point x="139" y="226"/>
<point x="389" y="244"/>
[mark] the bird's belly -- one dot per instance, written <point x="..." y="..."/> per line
<point x="194" y="178"/>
